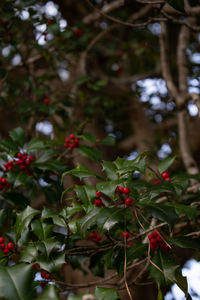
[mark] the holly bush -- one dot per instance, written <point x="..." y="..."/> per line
<point x="72" y="197"/>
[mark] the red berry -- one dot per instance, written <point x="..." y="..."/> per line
<point x="93" y="235"/>
<point x="10" y="246"/>
<point x="159" y="238"/>
<point x="168" y="179"/>
<point x="31" y="158"/>
<point x="66" y="145"/>
<point x="131" y="244"/>
<point x="150" y="236"/>
<point x="2" y="240"/>
<point x="23" y="167"/>
<point x="2" y="246"/>
<point x="126" y="235"/>
<point x="98" y="194"/>
<point x="48" y="276"/>
<point x="97" y="238"/>
<point x="120" y="189"/>
<point x="19" y="155"/>
<point x="1" y="187"/>
<point x="72" y="136"/>
<point x="5" y="250"/>
<point x="165" y="175"/>
<point x="153" y="241"/>
<point x="35" y="266"/>
<point x="3" y="180"/>
<point x="156" y="182"/>
<point x="72" y="146"/>
<point x="128" y="201"/>
<point x="43" y="274"/>
<point x="153" y="247"/>
<point x="98" y="203"/>
<point x="127" y="190"/>
<point x="78" y="32"/>
<point x="49" y="21"/>
<point x="47" y="101"/>
<point x="76" y="141"/>
<point x="67" y="140"/>
<point x="98" y="140"/>
<point x="144" y="44"/>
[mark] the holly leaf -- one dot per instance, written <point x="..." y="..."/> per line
<point x="24" y="218"/>
<point x="90" y="152"/>
<point x="16" y="282"/>
<point x="81" y="172"/>
<point x="166" y="163"/>
<point x="105" y="293"/>
<point x="18" y="136"/>
<point x="49" y="293"/>
<point x="42" y="230"/>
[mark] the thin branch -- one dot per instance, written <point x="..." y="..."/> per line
<point x="125" y="281"/>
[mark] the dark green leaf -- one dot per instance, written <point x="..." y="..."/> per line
<point x="109" y="140"/>
<point x="185" y="242"/>
<point x="24" y="218"/>
<point x="49" y="293"/>
<point x="16" y="282"/>
<point x="53" y="264"/>
<point x="86" y="193"/>
<point x="166" y="163"/>
<point x="29" y="253"/>
<point x="189" y="211"/>
<point x="105" y="293"/>
<point x="42" y="230"/>
<point x="35" y="144"/>
<point x="81" y="172"/>
<point x="108" y="187"/>
<point x="18" y="136"/>
<point x="90" y="152"/>
<point x="110" y="169"/>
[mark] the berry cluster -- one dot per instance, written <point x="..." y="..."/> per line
<point x="46" y="275"/>
<point x="126" y="235"/>
<point x="98" y="202"/>
<point x="156" y="240"/>
<point x="4" y="184"/>
<point x="95" y="237"/>
<point x="6" y="248"/>
<point x="126" y="191"/>
<point x="165" y="176"/>
<point x="71" y="142"/>
<point x="23" y="160"/>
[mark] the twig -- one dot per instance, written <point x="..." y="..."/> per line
<point x="125" y="281"/>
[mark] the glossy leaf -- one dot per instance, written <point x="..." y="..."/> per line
<point x="49" y="293"/>
<point x="90" y="152"/>
<point x="16" y="282"/>
<point x="105" y="293"/>
<point x="86" y="193"/>
<point x="24" y="218"/>
<point x="42" y="230"/>
<point x="29" y="253"/>
<point x="35" y="144"/>
<point x="110" y="169"/>
<point x="81" y="172"/>
<point x="166" y="163"/>
<point x="18" y="136"/>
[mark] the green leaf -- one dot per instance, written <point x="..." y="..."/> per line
<point x="16" y="282"/>
<point x="24" y="218"/>
<point x="70" y="211"/>
<point x="46" y="246"/>
<point x="18" y="136"/>
<point x="162" y="212"/>
<point x="88" y="220"/>
<point x="82" y="80"/>
<point x="166" y="163"/>
<point x="109" y="140"/>
<point x="108" y="187"/>
<point x="47" y="213"/>
<point x="8" y="146"/>
<point x="190" y="212"/>
<point x="81" y="172"/>
<point x="29" y="254"/>
<point x="74" y="297"/>
<point x="22" y="179"/>
<point x="53" y="264"/>
<point x="90" y="152"/>
<point x="41" y="230"/>
<point x="110" y="169"/>
<point x="35" y="144"/>
<point x="127" y="166"/>
<point x="49" y="293"/>
<point x="86" y="193"/>
<point x="87" y="137"/>
<point x="185" y="242"/>
<point x="46" y="155"/>
<point x="108" y="217"/>
<point x="168" y="267"/>
<point x="105" y="293"/>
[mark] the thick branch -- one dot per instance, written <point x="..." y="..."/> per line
<point x="165" y="62"/>
<point x="191" y="11"/>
